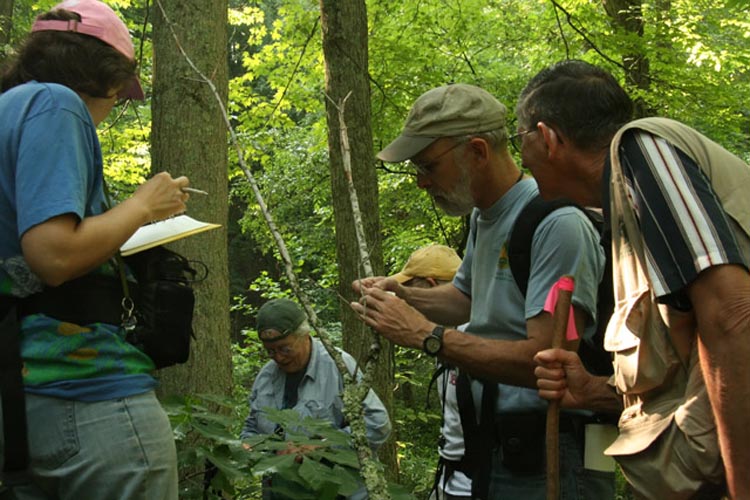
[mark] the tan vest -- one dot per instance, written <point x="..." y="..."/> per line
<point x="655" y="347"/>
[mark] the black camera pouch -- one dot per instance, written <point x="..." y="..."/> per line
<point x="164" y="303"/>
<point x="522" y="441"/>
<point x="165" y="317"/>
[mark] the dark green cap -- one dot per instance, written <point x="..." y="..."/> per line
<point x="277" y="319"/>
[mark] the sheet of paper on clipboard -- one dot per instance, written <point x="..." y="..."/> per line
<point x="165" y="231"/>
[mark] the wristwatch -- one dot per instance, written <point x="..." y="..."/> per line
<point x="434" y="341"/>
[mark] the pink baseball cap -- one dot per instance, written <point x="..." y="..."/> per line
<point x="100" y="21"/>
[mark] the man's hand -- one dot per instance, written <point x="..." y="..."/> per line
<point x="392" y="317"/>
<point x="361" y="286"/>
<point x="560" y="375"/>
<point x="364" y="285"/>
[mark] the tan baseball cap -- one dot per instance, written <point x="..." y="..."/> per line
<point x="448" y="111"/>
<point x="433" y="261"/>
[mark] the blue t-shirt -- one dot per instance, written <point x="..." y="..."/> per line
<point x="50" y="165"/>
<point x="564" y="243"/>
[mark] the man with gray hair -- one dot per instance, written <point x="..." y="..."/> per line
<point x="677" y="205"/>
<point x="302" y="376"/>
<point x="456" y="139"/>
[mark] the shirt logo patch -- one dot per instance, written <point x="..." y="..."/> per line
<point x="502" y="262"/>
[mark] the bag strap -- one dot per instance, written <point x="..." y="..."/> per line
<point x="128" y="319"/>
<point x="13" y="397"/>
<point x="522" y="235"/>
<point x="479" y="435"/>
<point x="593" y="355"/>
<point x="440" y="369"/>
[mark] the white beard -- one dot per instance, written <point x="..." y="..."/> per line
<point x="458" y="202"/>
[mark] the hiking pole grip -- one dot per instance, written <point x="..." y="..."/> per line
<point x="560" y="316"/>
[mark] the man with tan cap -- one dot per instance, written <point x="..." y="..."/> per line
<point x="427" y="267"/>
<point x="456" y="138"/>
<point x="432" y="263"/>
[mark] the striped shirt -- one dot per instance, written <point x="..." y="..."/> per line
<point x="684" y="226"/>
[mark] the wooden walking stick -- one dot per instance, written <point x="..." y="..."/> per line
<point x="560" y="316"/>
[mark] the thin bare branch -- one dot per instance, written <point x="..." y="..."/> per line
<point x="371" y="473"/>
<point x="354" y="393"/>
<point x="584" y="35"/>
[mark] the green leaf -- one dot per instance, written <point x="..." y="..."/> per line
<point x="215" y="432"/>
<point x="281" y="464"/>
<point x="346" y="457"/>
<point x="225" y="462"/>
<point x="319" y="475"/>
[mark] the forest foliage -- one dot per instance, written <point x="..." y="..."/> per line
<point x="694" y="59"/>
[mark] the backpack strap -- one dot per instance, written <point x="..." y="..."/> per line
<point x="522" y="235"/>
<point x="592" y="353"/>
<point x="13" y="397"/>
<point x="88" y="299"/>
<point x="479" y="434"/>
<point x="439" y="370"/>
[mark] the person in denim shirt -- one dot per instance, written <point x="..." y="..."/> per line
<point x="303" y="376"/>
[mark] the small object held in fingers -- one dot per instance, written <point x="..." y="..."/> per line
<point x="193" y="190"/>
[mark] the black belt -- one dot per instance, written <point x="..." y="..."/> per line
<point x="520" y="439"/>
<point x="85" y="300"/>
<point x="570" y="423"/>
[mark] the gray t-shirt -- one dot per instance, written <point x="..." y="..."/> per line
<point x="565" y="243"/>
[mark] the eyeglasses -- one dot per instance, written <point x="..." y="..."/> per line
<point x="514" y="139"/>
<point x="284" y="350"/>
<point x="428" y="167"/>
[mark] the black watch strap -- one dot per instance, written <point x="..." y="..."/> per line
<point x="433" y="343"/>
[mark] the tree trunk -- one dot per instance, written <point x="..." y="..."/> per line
<point x="6" y="25"/>
<point x="627" y="15"/>
<point x="344" y="26"/>
<point x="189" y="137"/>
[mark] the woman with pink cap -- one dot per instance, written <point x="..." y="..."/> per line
<point x="95" y="428"/>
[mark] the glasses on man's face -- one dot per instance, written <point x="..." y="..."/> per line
<point x="515" y="140"/>
<point x="428" y="167"/>
<point x="284" y="350"/>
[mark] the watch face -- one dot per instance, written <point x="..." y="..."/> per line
<point x="432" y="345"/>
